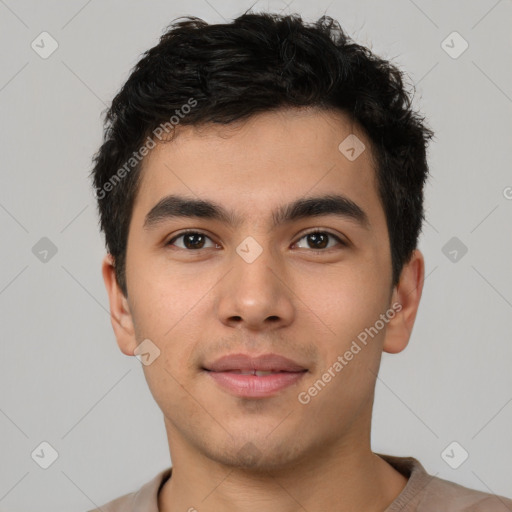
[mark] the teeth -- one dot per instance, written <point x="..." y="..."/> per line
<point x="261" y="373"/>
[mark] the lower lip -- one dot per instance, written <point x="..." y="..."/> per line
<point x="252" y="386"/>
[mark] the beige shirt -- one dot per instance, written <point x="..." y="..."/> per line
<point x="423" y="493"/>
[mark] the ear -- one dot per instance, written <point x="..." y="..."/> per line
<point x="120" y="314"/>
<point x="407" y="293"/>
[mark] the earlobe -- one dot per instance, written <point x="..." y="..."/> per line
<point x="120" y="314"/>
<point x="407" y="294"/>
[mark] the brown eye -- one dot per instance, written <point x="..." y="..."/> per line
<point x="320" y="240"/>
<point x="192" y="240"/>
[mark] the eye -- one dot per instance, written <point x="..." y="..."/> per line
<point x="319" y="240"/>
<point x="193" y="240"/>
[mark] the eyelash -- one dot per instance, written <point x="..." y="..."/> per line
<point x="313" y="231"/>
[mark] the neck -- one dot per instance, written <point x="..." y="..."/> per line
<point x="344" y="477"/>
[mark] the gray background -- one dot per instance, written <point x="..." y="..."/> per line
<point x="62" y="377"/>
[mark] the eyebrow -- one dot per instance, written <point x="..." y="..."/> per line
<point x="174" y="206"/>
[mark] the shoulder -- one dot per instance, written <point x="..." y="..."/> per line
<point x="442" y="492"/>
<point x="145" y="499"/>
<point x="428" y="493"/>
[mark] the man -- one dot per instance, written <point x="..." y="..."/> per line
<point x="260" y="188"/>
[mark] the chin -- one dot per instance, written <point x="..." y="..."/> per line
<point x="259" y="457"/>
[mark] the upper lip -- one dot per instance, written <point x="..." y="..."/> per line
<point x="245" y="362"/>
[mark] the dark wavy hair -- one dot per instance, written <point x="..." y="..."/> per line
<point x="262" y="62"/>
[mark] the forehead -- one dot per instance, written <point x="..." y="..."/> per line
<point x="263" y="161"/>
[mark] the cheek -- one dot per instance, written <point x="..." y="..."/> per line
<point x="159" y="300"/>
<point x="170" y="325"/>
<point x="346" y="300"/>
<point x="349" y="301"/>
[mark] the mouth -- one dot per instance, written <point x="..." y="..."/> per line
<point x="255" y="384"/>
<point x="254" y="377"/>
<point x="258" y="373"/>
<point x="245" y="363"/>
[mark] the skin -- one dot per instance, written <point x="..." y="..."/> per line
<point x="235" y="454"/>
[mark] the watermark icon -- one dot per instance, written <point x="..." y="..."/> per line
<point x="146" y="352"/>
<point x="305" y="397"/>
<point x="44" y="45"/>
<point x="351" y="147"/>
<point x="44" y="250"/>
<point x="454" y="455"/>
<point x="454" y="45"/>
<point x="137" y="156"/>
<point x="454" y="249"/>
<point x="507" y="192"/>
<point x="249" y="453"/>
<point x="249" y="249"/>
<point x="44" y="455"/>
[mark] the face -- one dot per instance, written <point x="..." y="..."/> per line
<point x="255" y="277"/>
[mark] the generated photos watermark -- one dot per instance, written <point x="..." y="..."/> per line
<point x="149" y="144"/>
<point x="305" y="397"/>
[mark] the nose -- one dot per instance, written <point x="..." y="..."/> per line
<point x="255" y="294"/>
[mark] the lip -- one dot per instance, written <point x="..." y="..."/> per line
<point x="245" y="362"/>
<point x="225" y="372"/>
<point x="252" y="386"/>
